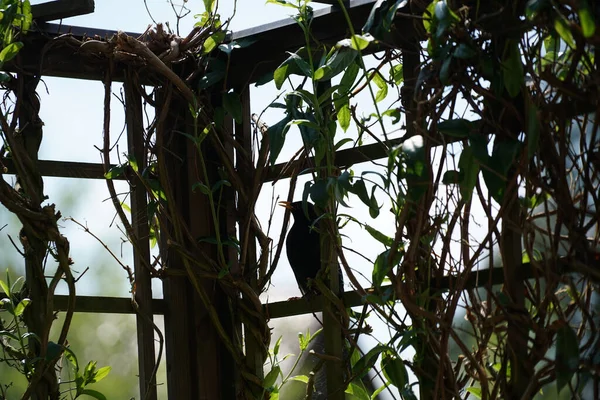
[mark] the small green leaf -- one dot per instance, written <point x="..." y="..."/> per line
<point x="344" y="117"/>
<point x="354" y="391"/>
<point x="277" y="345"/>
<point x="21" y="307"/>
<point x="271" y="377"/>
<point x="337" y="63"/>
<point x="513" y="74"/>
<point x="201" y="186"/>
<point x="293" y="65"/>
<point x="10" y="51"/>
<point x="276" y="135"/>
<point x="115" y="172"/>
<point x="567" y="356"/>
<point x="382" y="85"/>
<point x="93" y="393"/>
<point x="458" y="128"/>
<point x="233" y="106"/>
<point x="132" y="162"/>
<point x="451" y="177"/>
<point x="475" y="391"/>
<point x="213" y="41"/>
<point x="300" y="378"/>
<point x="361" y="42"/>
<point x="379" y="236"/>
<point x="209" y="5"/>
<point x="395" y="370"/>
<point x="366" y="362"/>
<point x="463" y="51"/>
<point x="383" y="265"/>
<point x="564" y="31"/>
<point x="5" y="287"/>
<point x="101" y="374"/>
<point x="588" y="26"/>
<point x="397" y="74"/>
<point x="469" y="170"/>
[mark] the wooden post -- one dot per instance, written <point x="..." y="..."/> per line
<point x="254" y="350"/>
<point x="141" y="250"/>
<point x="198" y="365"/>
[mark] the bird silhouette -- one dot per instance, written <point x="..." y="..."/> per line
<point x="303" y="245"/>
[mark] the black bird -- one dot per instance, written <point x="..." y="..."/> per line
<point x="303" y="245"/>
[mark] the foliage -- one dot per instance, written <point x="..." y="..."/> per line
<point x="496" y="122"/>
<point x="25" y="333"/>
<point x="492" y="188"/>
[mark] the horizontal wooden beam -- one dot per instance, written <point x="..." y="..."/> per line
<point x="64" y="169"/>
<point x="475" y="279"/>
<point x="58" y="9"/>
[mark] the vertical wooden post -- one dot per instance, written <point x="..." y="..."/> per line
<point x="243" y="134"/>
<point x="332" y="328"/>
<point x="198" y="365"/>
<point x="141" y="252"/>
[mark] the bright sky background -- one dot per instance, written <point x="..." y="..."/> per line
<point x="72" y="135"/>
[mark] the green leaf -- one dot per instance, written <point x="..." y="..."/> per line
<point x="397" y="74"/>
<point x="94" y="393"/>
<point x="394" y="370"/>
<point x="10" y="51"/>
<point x="567" y="356"/>
<point x="277" y="345"/>
<point x="233" y="106"/>
<point x="383" y="266"/>
<point x="21" y="307"/>
<point x="219" y="184"/>
<point x="348" y="78"/>
<point x="469" y="169"/>
<point x="366" y="362"/>
<point x="293" y="65"/>
<point x="588" y="26"/>
<point x="132" y="162"/>
<point x="101" y="374"/>
<point x="209" y="5"/>
<point x="379" y="236"/>
<point x="276" y="135"/>
<point x="513" y="74"/>
<point x="458" y="128"/>
<point x="271" y="377"/>
<point x="451" y="177"/>
<point x="213" y="41"/>
<point x="445" y="70"/>
<point x="5" y="287"/>
<point x="361" y="42"/>
<point x="464" y="51"/>
<point x="115" y="172"/>
<point x="475" y="391"/>
<point x="341" y="59"/>
<point x="356" y="392"/>
<point x="503" y="156"/>
<point x="300" y="378"/>
<point x="564" y="31"/>
<point x="201" y="186"/>
<point x="382" y="85"/>
<point x="319" y="192"/>
<point x="344" y="117"/>
<point x="211" y="78"/>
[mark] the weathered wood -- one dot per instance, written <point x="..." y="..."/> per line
<point x="254" y="349"/>
<point x="141" y="249"/>
<point x="59" y="9"/>
<point x="247" y="64"/>
<point x="63" y="169"/>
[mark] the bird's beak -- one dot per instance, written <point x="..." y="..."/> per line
<point x="286" y="204"/>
